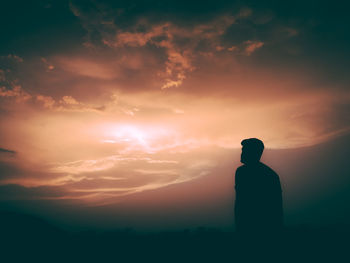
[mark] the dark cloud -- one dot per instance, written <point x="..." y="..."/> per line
<point x="9" y="170"/>
<point x="296" y="36"/>
<point x="15" y="169"/>
<point x="127" y="13"/>
<point x="309" y="39"/>
<point x="36" y="28"/>
<point x="18" y="192"/>
<point x="7" y="151"/>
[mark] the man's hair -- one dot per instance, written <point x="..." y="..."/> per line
<point x="254" y="145"/>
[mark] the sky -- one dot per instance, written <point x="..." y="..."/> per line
<point x="104" y="100"/>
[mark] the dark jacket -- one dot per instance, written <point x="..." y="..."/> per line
<point x="258" y="205"/>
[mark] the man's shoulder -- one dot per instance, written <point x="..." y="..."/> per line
<point x="268" y="170"/>
<point x="241" y="169"/>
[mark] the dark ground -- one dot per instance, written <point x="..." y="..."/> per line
<point x="30" y="239"/>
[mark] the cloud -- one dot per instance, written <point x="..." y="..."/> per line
<point x="100" y="179"/>
<point x="15" y="92"/>
<point x="13" y="57"/>
<point x="10" y="86"/>
<point x="291" y="32"/>
<point x="180" y="43"/>
<point x="69" y="100"/>
<point x="3" y="150"/>
<point x="134" y="176"/>
<point x="18" y="192"/>
<point x="48" y="102"/>
<point x="2" y="75"/>
<point x="252" y="46"/>
<point x="81" y="166"/>
<point x="171" y="37"/>
<point x="66" y="104"/>
<point x="105" y="163"/>
<point x="49" y="66"/>
<point x="178" y="61"/>
<point x="87" y="68"/>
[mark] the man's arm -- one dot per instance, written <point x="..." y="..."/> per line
<point x="237" y="178"/>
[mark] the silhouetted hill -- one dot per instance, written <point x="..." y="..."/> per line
<point x="29" y="239"/>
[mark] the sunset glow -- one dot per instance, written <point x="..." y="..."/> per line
<point x="119" y="109"/>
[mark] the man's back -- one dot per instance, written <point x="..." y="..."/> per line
<point x="258" y="204"/>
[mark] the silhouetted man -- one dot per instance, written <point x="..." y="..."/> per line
<point x="258" y="207"/>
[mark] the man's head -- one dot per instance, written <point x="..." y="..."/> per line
<point x="252" y="150"/>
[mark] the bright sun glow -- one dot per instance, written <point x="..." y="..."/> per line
<point x="140" y="137"/>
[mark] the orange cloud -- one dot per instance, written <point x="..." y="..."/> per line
<point x="179" y="57"/>
<point x="48" y="102"/>
<point x="13" y="57"/>
<point x="88" y="68"/>
<point x="16" y="92"/>
<point x="252" y="46"/>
